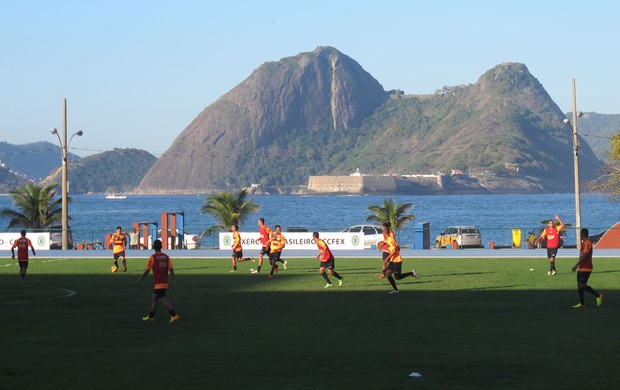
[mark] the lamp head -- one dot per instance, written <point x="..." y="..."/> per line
<point x="566" y="122"/>
<point x="579" y="114"/>
<point x="54" y="131"/>
<point x="79" y="133"/>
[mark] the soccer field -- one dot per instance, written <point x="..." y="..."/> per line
<point x="466" y="323"/>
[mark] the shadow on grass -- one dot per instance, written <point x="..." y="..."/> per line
<point x="246" y="331"/>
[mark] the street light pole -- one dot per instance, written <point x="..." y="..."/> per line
<point x="576" y="116"/>
<point x="64" y="145"/>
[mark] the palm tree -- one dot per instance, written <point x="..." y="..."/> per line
<point x="36" y="207"/>
<point x="391" y="212"/>
<point x="228" y="209"/>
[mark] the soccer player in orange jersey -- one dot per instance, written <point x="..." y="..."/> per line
<point x="326" y="258"/>
<point x="553" y="242"/>
<point x="278" y="242"/>
<point x="237" y="249"/>
<point x="584" y="269"/>
<point x="161" y="265"/>
<point x="385" y="250"/>
<point x="119" y="240"/>
<point x="395" y="262"/>
<point x="22" y="244"/>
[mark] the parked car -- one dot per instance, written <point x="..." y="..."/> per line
<point x="56" y="237"/>
<point x="533" y="235"/>
<point x="296" y="229"/>
<point x="465" y="237"/>
<point x="372" y="233"/>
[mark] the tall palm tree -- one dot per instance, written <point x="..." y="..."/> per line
<point x="228" y="209"/>
<point x="395" y="214"/>
<point x="35" y="205"/>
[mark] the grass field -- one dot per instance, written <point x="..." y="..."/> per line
<point x="466" y="323"/>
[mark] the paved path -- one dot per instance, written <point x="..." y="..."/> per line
<point x="406" y="253"/>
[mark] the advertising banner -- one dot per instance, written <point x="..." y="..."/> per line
<point x="40" y="240"/>
<point x="335" y="240"/>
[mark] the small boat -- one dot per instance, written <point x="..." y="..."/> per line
<point x="115" y="196"/>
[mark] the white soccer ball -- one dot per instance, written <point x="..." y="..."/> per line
<point x="251" y="269"/>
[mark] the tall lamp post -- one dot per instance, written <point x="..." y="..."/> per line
<point x="576" y="116"/>
<point x="64" y="145"/>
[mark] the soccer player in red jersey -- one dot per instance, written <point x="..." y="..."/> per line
<point x="119" y="240"/>
<point x="265" y="240"/>
<point x="584" y="269"/>
<point x="22" y="244"/>
<point x="237" y="249"/>
<point x="161" y="265"/>
<point x="327" y="261"/>
<point x="395" y="262"/>
<point x="553" y="242"/>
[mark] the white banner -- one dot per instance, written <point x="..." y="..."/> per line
<point x="337" y="240"/>
<point x="40" y="240"/>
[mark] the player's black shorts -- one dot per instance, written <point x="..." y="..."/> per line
<point x="23" y="264"/>
<point x="160" y="292"/>
<point x="329" y="264"/>
<point x="265" y="250"/>
<point x="274" y="256"/>
<point x="551" y="252"/>
<point x="396" y="268"/>
<point x="583" y="276"/>
<point x="385" y="255"/>
<point x="119" y="254"/>
<point x="237" y="254"/>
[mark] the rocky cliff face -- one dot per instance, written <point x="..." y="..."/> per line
<point x="319" y="92"/>
<point x="320" y="113"/>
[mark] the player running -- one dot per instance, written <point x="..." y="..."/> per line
<point x="237" y="249"/>
<point x="395" y="262"/>
<point x="327" y="261"/>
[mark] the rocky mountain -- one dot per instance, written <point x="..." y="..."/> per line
<point x="35" y="160"/>
<point x="250" y="133"/>
<point x="320" y="113"/>
<point x="119" y="170"/>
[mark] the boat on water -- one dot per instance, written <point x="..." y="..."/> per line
<point x="115" y="196"/>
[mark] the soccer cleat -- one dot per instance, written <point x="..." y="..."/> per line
<point x="382" y="276"/>
<point x="124" y="269"/>
<point x="548" y="273"/>
<point x="252" y="258"/>
<point x="393" y="292"/>
<point x="233" y="270"/>
<point x="284" y="264"/>
<point x="579" y="306"/>
<point x="254" y="271"/>
<point x="553" y="273"/>
<point x="340" y="281"/>
<point x="415" y="274"/>
<point x="270" y="276"/>
<point x="328" y="285"/>
<point x="599" y="300"/>
<point x="174" y="319"/>
<point x="147" y="318"/>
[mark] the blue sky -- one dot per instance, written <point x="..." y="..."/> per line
<point x="136" y="73"/>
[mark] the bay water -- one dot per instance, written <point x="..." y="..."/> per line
<point x="495" y="215"/>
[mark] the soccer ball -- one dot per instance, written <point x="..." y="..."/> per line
<point x="251" y="269"/>
<point x="114" y="268"/>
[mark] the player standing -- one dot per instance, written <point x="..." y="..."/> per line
<point x="553" y="242"/>
<point x="327" y="261"/>
<point x="584" y="269"/>
<point x="22" y="244"/>
<point x="161" y="265"/>
<point x="119" y="240"/>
